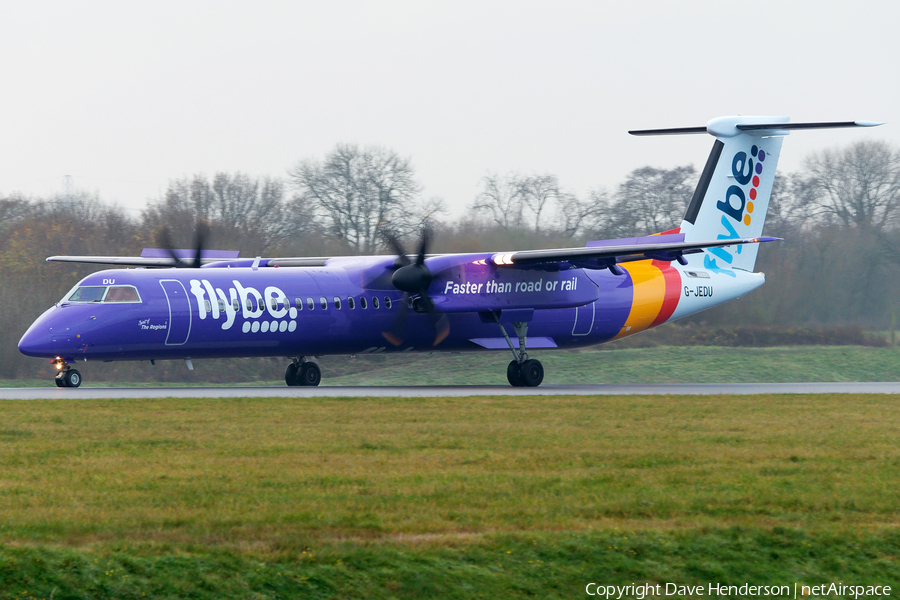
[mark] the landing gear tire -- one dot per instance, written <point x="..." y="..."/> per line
<point x="310" y="374"/>
<point x="60" y="382"/>
<point x="291" y="374"/>
<point x="532" y="372"/>
<point x="514" y="374"/>
<point x="71" y="378"/>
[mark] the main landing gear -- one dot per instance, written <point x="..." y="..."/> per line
<point x="302" y="372"/>
<point x="529" y="373"/>
<point x="66" y="375"/>
<point x="522" y="371"/>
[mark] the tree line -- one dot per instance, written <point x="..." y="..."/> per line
<point x="839" y="215"/>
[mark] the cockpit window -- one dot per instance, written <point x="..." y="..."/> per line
<point x="103" y="293"/>
<point x="87" y="293"/>
<point x="122" y="293"/>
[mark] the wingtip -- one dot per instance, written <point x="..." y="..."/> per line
<point x="868" y="123"/>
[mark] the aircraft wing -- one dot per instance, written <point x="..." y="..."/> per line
<point x="151" y="262"/>
<point x="598" y="255"/>
<point x="123" y="261"/>
<point x="607" y="256"/>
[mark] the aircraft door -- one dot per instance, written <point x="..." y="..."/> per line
<point x="584" y="319"/>
<point x="179" y="312"/>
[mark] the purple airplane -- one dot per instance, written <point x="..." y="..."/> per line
<point x="209" y="304"/>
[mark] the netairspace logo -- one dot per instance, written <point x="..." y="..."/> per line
<point x="642" y="591"/>
<point x="272" y="302"/>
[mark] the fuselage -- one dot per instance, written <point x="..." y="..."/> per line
<point x="348" y="305"/>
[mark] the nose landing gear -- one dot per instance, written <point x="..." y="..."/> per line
<point x="302" y="372"/>
<point x="66" y="375"/>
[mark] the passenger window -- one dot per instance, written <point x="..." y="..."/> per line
<point x="221" y="305"/>
<point x="310" y="304"/>
<point x="362" y="302"/>
<point x="207" y="305"/>
<point x="298" y="302"/>
<point x="387" y="303"/>
<point x="249" y="304"/>
<point x="236" y="305"/>
<point x="122" y="293"/>
<point x="351" y="302"/>
<point x="274" y="303"/>
<point x="337" y="303"/>
<point x="374" y="301"/>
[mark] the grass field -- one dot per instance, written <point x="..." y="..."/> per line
<point x="665" y="364"/>
<point x="467" y="498"/>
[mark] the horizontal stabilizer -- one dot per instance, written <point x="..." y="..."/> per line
<point x="789" y="126"/>
<point x="711" y="129"/>
<point x="669" y="131"/>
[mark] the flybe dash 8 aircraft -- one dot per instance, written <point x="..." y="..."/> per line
<point x="180" y="304"/>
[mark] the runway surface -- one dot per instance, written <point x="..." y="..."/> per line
<point x="455" y="390"/>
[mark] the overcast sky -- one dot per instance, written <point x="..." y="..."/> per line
<point x="124" y="96"/>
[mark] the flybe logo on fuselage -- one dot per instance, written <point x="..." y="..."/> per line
<point x="262" y="312"/>
<point x="737" y="206"/>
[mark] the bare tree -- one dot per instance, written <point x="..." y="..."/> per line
<point x="858" y="185"/>
<point x="590" y="215"/>
<point x="651" y="200"/>
<point x="513" y="201"/>
<point x="246" y="211"/>
<point x="539" y="193"/>
<point x="502" y="199"/>
<point x="357" y="191"/>
<point x="253" y="206"/>
<point x="13" y="210"/>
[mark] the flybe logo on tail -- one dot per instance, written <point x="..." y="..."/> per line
<point x="737" y="206"/>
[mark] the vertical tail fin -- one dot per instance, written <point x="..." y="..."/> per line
<point x="732" y="197"/>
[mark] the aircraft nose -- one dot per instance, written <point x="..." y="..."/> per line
<point x="36" y="341"/>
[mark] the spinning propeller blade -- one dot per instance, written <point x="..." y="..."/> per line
<point x="414" y="279"/>
<point x="164" y="240"/>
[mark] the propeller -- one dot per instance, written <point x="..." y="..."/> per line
<point x="164" y="240"/>
<point x="413" y="278"/>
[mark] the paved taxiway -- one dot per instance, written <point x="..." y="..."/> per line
<point x="455" y="390"/>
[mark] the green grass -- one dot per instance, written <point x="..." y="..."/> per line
<point x="461" y="497"/>
<point x="665" y="364"/>
<point x="501" y="566"/>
